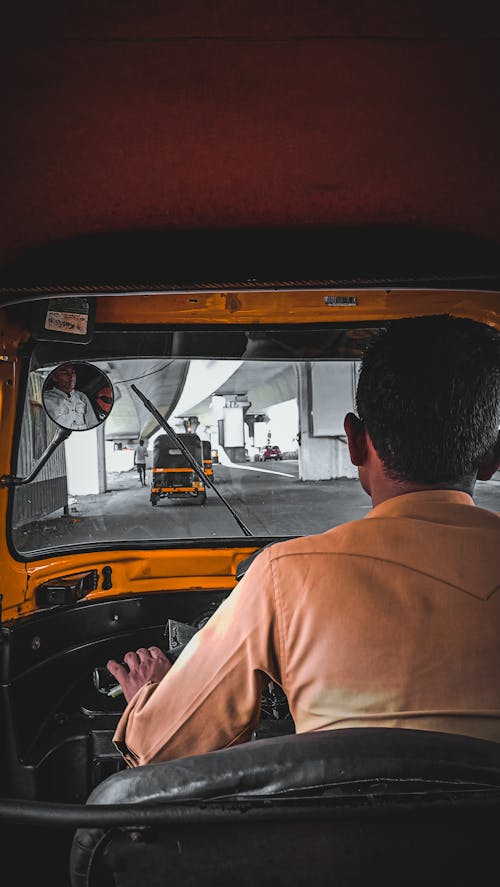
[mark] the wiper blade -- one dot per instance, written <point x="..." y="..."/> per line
<point x="192" y="461"/>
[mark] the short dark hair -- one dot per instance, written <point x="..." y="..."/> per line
<point x="429" y="395"/>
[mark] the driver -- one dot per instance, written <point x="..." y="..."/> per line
<point x="390" y="620"/>
<point x="65" y="405"/>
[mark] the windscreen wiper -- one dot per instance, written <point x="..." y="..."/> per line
<point x="192" y="461"/>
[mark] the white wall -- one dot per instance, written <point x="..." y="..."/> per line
<point x="82" y="462"/>
<point x="121" y="460"/>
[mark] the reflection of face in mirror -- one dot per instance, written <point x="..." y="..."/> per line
<point x="77" y="396"/>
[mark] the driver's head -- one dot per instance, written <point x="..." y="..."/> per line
<point x="429" y="396"/>
<point x="65" y="377"/>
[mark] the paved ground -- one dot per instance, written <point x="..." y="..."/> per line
<point x="267" y="497"/>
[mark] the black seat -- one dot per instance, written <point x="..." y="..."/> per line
<point x="346" y="807"/>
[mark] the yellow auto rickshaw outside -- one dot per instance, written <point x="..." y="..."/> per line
<point x="172" y="476"/>
<point x="207" y="458"/>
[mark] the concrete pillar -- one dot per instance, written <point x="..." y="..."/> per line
<point x="86" y="462"/>
<point x="326" y="394"/>
<point x="233" y="429"/>
<point x="101" y="458"/>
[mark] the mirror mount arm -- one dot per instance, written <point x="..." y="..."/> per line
<point x="10" y="480"/>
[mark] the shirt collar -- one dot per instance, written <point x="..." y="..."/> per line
<point x="408" y="503"/>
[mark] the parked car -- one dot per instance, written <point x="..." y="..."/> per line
<point x="271" y="453"/>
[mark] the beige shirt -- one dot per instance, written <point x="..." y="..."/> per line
<point x="391" y="620"/>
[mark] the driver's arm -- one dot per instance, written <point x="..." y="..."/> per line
<point x="210" y="698"/>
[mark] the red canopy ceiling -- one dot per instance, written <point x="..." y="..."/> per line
<point x="125" y="117"/>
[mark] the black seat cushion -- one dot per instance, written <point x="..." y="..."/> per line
<point x="326" y="768"/>
<point x="315" y="764"/>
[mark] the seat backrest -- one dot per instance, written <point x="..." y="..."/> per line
<point x="300" y="807"/>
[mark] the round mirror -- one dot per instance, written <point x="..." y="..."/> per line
<point x="77" y="396"/>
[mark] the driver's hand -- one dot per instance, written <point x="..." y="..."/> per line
<point x="145" y="664"/>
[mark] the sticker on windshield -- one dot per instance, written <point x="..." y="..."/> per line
<point x="67" y="316"/>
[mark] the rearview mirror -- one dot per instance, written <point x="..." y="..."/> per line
<point x="77" y="396"/>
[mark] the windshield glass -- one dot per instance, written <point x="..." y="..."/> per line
<point x="265" y="425"/>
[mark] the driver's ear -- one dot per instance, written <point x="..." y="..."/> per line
<point x="356" y="439"/>
<point x="490" y="463"/>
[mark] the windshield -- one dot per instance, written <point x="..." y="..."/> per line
<point x="265" y="425"/>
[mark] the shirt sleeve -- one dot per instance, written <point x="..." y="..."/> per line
<point x="211" y="696"/>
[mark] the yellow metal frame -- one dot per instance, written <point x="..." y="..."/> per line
<point x="297" y="306"/>
<point x="183" y="569"/>
<point x="137" y="572"/>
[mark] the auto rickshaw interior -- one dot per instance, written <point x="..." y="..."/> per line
<point x="97" y="570"/>
<point x="215" y="207"/>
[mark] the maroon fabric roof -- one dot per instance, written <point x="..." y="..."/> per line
<point x="130" y="117"/>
